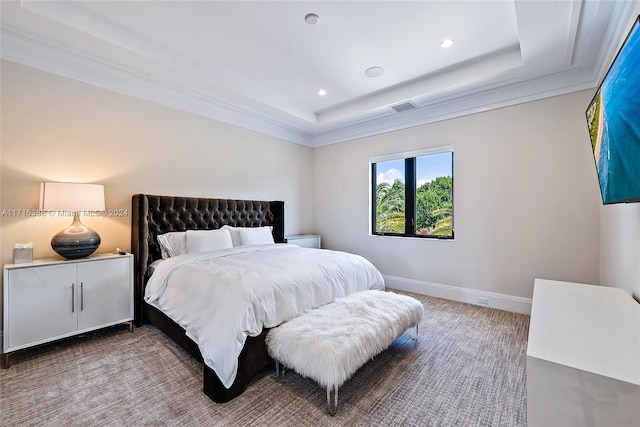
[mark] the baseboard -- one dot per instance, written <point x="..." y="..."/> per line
<point x="471" y="296"/>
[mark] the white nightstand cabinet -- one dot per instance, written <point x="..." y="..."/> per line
<point x="305" y="240"/>
<point x="52" y="299"/>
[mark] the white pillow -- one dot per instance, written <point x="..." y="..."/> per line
<point x="208" y="240"/>
<point x="235" y="235"/>
<point x="172" y="244"/>
<point x="256" y="235"/>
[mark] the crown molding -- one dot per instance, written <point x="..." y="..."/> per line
<point x="471" y="103"/>
<point x="49" y="55"/>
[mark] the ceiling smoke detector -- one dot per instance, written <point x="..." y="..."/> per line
<point x="374" y="71"/>
<point x="311" y="18"/>
<point x="404" y="106"/>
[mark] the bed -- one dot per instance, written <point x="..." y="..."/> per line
<point x="154" y="216"/>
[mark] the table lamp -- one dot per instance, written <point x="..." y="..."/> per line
<point x="77" y="240"/>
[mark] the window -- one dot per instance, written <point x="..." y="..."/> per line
<point x="412" y="194"/>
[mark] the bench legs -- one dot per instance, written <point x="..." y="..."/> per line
<point x="332" y="408"/>
<point x="279" y="370"/>
<point x="332" y="404"/>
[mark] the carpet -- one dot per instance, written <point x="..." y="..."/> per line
<point x="467" y="370"/>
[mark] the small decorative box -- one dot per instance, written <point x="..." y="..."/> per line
<point x="22" y="255"/>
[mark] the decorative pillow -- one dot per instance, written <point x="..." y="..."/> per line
<point x="172" y="244"/>
<point x="256" y="235"/>
<point x="208" y="240"/>
<point x="235" y="235"/>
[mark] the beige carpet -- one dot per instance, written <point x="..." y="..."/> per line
<point x="468" y="370"/>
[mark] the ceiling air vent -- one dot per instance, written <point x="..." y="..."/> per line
<point x="404" y="106"/>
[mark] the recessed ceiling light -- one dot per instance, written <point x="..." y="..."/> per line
<point x="322" y="92"/>
<point x="446" y="43"/>
<point x="374" y="72"/>
<point x="311" y="19"/>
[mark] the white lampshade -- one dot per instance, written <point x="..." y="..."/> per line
<point x="70" y="196"/>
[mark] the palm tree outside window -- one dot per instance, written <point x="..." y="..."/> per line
<point x="412" y="194"/>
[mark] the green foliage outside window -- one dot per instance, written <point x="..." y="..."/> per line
<point x="390" y="207"/>
<point x="434" y="207"/>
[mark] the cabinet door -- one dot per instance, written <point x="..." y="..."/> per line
<point x="40" y="304"/>
<point x="105" y="292"/>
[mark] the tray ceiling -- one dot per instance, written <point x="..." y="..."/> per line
<point x="260" y="65"/>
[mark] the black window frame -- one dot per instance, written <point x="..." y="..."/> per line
<point x="410" y="165"/>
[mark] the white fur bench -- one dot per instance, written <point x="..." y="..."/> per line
<point x="330" y="343"/>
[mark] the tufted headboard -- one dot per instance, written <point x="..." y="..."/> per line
<point x="153" y="215"/>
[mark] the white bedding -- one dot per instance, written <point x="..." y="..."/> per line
<point x="221" y="297"/>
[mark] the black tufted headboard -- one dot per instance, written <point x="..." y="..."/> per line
<point x="153" y="215"/>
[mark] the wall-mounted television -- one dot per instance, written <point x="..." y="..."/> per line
<point x="613" y="117"/>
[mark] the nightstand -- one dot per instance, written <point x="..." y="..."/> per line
<point x="49" y="299"/>
<point x="305" y="240"/>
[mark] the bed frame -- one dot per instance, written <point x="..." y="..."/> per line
<point x="153" y="215"/>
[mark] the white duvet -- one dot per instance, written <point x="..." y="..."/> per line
<point x="222" y="297"/>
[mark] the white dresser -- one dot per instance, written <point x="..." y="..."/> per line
<point x="583" y="356"/>
<point x="50" y="299"/>
<point x="305" y="240"/>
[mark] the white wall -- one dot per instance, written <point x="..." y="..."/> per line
<point x="57" y="129"/>
<point x="620" y="247"/>
<point x="526" y="201"/>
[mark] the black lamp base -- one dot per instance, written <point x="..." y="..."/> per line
<point x="75" y="241"/>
